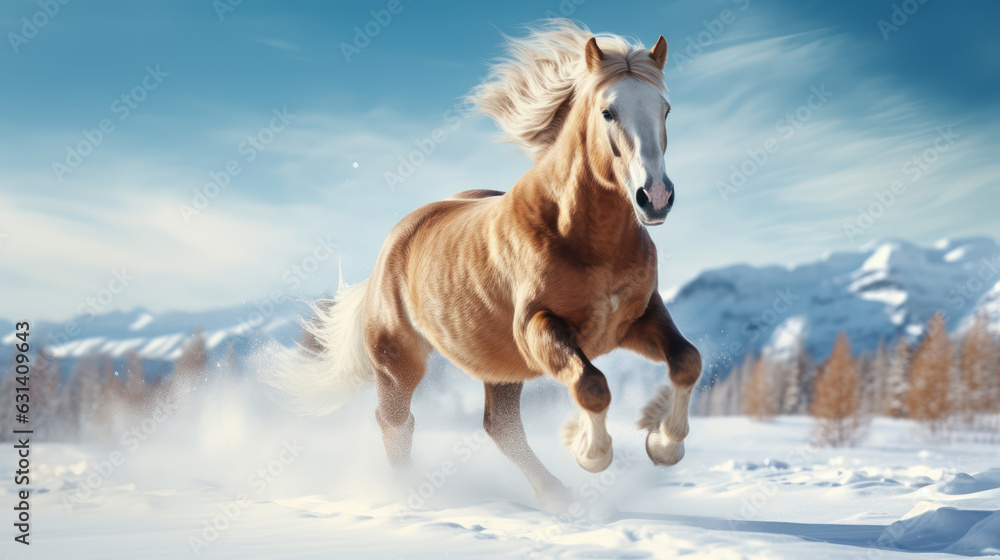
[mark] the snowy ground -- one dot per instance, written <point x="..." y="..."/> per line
<point x="275" y="486"/>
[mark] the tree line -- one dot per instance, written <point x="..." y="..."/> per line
<point x="950" y="387"/>
<point x="101" y="396"/>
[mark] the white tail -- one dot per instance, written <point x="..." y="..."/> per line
<point x="319" y="382"/>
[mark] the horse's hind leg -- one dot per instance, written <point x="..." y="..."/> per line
<point x="399" y="356"/>
<point x="502" y="421"/>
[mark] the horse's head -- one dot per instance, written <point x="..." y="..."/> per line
<point x="627" y="117"/>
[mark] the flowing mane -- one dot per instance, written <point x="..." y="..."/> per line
<point x="531" y="90"/>
<point x="533" y="282"/>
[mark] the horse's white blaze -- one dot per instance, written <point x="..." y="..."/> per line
<point x="640" y="110"/>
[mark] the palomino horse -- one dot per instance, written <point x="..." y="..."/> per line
<point x="533" y="282"/>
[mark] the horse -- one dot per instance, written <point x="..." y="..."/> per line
<point x="536" y="281"/>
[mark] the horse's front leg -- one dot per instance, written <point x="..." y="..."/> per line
<point x="656" y="337"/>
<point x="548" y="344"/>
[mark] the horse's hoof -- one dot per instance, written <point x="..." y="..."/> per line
<point x="662" y="450"/>
<point x="596" y="464"/>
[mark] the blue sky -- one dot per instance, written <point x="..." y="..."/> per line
<point x="907" y="105"/>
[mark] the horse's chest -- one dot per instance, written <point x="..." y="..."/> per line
<point x="609" y="314"/>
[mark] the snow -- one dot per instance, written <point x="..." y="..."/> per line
<point x="956" y="254"/>
<point x="785" y="338"/>
<point x="893" y="298"/>
<point x="879" y="259"/>
<point x="141" y="322"/>
<point x="231" y="476"/>
<point x="883" y="292"/>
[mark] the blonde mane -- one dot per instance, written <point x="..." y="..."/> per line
<point x="531" y="90"/>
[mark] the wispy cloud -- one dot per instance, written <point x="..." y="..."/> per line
<point x="747" y="87"/>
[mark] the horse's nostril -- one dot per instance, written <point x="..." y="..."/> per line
<point x="641" y="198"/>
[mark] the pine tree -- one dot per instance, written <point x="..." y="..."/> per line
<point x="725" y="396"/>
<point x="135" y="380"/>
<point x="44" y="404"/>
<point x="111" y="398"/>
<point x="880" y="366"/>
<point x="795" y="372"/>
<point x="977" y="363"/>
<point x="930" y="377"/>
<point x="7" y="392"/>
<point x="897" y="382"/>
<point x="80" y="396"/>
<point x="193" y="361"/>
<point x="759" y="398"/>
<point x="865" y="365"/>
<point x="736" y="386"/>
<point x="836" y="404"/>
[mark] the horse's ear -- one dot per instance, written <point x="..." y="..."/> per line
<point x="659" y="52"/>
<point x="593" y="55"/>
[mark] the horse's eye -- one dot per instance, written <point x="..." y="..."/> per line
<point x="666" y="115"/>
<point x="607" y="115"/>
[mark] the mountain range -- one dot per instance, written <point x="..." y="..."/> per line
<point x="881" y="292"/>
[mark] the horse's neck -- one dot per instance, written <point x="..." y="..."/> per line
<point x="596" y="221"/>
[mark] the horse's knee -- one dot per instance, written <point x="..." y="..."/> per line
<point x="685" y="364"/>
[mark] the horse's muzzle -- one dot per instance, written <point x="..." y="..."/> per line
<point x="653" y="202"/>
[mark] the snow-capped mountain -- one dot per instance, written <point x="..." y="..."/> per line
<point x="159" y="338"/>
<point x="883" y="292"/>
